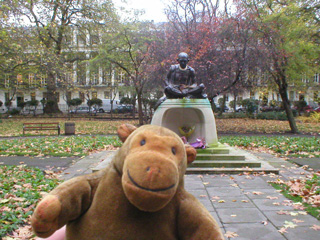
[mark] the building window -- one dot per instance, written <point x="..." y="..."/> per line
<point x="94" y="79"/>
<point x="94" y="39"/>
<point x="31" y="78"/>
<point x="19" y="79"/>
<point x="81" y="40"/>
<point x="121" y="77"/>
<point x="81" y="73"/>
<point x="81" y="96"/>
<point x="106" y="94"/>
<point x="33" y="96"/>
<point x="94" y="95"/>
<point x="291" y="96"/>
<point x="43" y="80"/>
<point x="317" y="78"/>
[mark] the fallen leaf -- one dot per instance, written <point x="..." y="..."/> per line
<point x="294" y="213"/>
<point x="257" y="193"/>
<point x="315" y="227"/>
<point x="297" y="221"/>
<point x="272" y="198"/>
<point x="303" y="213"/>
<point x="281" y="212"/>
<point x="282" y="230"/>
<point x="288" y="224"/>
<point x="229" y="234"/>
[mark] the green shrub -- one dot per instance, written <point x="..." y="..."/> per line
<point x="251" y="105"/>
<point x="272" y="116"/>
<point x="14" y="111"/>
<point x="232" y="115"/>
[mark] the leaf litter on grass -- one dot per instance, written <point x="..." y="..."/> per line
<point x="22" y="188"/>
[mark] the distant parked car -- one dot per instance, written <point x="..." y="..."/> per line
<point x="123" y="109"/>
<point x="83" y="110"/>
<point x="240" y="109"/>
<point x="310" y="110"/>
<point x="225" y="109"/>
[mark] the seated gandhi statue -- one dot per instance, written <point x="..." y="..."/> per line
<point x="180" y="82"/>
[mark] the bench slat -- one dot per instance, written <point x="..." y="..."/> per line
<point x="41" y="126"/>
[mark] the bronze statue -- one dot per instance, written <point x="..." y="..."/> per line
<point x="180" y="82"/>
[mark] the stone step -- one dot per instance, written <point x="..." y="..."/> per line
<point x="203" y="170"/>
<point x="225" y="164"/>
<point x="213" y="151"/>
<point x="231" y="157"/>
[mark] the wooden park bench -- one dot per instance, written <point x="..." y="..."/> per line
<point x="41" y="127"/>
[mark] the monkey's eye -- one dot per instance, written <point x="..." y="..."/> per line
<point x="143" y="142"/>
<point x="173" y="150"/>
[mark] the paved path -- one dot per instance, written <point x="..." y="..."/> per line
<point x="246" y="205"/>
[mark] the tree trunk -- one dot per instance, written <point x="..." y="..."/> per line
<point x="52" y="101"/>
<point x="140" y="108"/>
<point x="286" y="105"/>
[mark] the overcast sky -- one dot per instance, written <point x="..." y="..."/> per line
<point x="154" y="9"/>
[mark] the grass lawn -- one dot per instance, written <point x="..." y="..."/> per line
<point x="277" y="145"/>
<point x="57" y="146"/>
<point x="13" y="127"/>
<point x="305" y="191"/>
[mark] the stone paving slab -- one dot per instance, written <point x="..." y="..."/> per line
<point x="240" y="215"/>
<point x="302" y="233"/>
<point x="294" y="216"/>
<point x="273" y="204"/>
<point x="249" y="211"/>
<point x="233" y="202"/>
<point x="254" y="231"/>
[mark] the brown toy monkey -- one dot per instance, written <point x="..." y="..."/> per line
<point x="140" y="195"/>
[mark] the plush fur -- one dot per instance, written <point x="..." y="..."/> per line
<point x="140" y="195"/>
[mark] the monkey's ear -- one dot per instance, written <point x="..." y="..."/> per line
<point x="191" y="153"/>
<point x="125" y="130"/>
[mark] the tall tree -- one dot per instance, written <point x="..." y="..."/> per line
<point x="287" y="46"/>
<point x="216" y="41"/>
<point x="50" y="23"/>
<point x="130" y="49"/>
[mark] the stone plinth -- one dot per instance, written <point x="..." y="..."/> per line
<point x="175" y="113"/>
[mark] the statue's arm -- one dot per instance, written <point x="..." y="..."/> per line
<point x="192" y="76"/>
<point x="65" y="203"/>
<point x="168" y="80"/>
<point x="195" y="222"/>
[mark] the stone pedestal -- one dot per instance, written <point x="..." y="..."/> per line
<point x="175" y="113"/>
